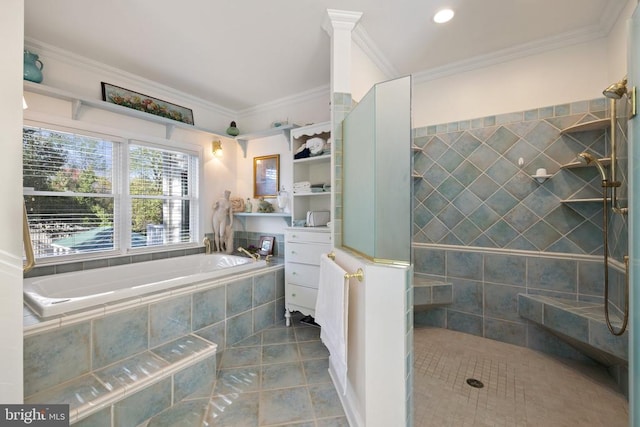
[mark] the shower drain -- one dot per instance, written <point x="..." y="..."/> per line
<point x="475" y="383"/>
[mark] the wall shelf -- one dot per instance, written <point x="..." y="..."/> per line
<point x="311" y="194"/>
<point x="604" y="161"/>
<point x="244" y="139"/>
<point x="314" y="159"/>
<point x="587" y="126"/>
<point x="242" y="216"/>
<point x="587" y="200"/>
<point x="541" y="178"/>
<point x="77" y="104"/>
<point x="314" y="169"/>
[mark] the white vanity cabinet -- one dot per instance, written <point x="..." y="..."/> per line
<point x="303" y="248"/>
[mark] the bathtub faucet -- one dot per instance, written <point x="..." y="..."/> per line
<point x="256" y="257"/>
<point x="207" y="245"/>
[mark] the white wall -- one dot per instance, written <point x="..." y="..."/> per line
<point x="572" y="73"/>
<point x="368" y="73"/>
<point x="617" y="44"/>
<point x="82" y="76"/>
<point x="11" y="33"/>
<point x="303" y="109"/>
<point x="559" y="76"/>
<point x="277" y="144"/>
<point x="232" y="171"/>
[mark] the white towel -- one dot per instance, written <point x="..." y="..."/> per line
<point x="331" y="314"/>
<point x="302" y="187"/>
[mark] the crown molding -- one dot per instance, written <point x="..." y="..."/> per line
<point x="117" y="74"/>
<point x="309" y="95"/>
<point x="583" y="35"/>
<point x="364" y="42"/>
<point x="341" y="20"/>
<point x="509" y="54"/>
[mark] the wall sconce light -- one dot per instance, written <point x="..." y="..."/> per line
<point x="216" y="148"/>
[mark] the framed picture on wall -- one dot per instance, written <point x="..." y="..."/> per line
<point x="127" y="98"/>
<point x="266" y="176"/>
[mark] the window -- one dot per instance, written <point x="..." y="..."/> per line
<point x="88" y="193"/>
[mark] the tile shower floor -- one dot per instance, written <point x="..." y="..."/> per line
<point x="278" y="377"/>
<point x="522" y="387"/>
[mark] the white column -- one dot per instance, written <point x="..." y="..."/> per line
<point x="12" y="35"/>
<point x="339" y="25"/>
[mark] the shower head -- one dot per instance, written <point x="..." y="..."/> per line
<point x="616" y="90"/>
<point x="588" y="159"/>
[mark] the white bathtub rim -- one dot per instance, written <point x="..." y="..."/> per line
<point x="39" y="325"/>
<point x="126" y="300"/>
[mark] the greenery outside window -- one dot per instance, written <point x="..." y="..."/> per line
<point x="91" y="194"/>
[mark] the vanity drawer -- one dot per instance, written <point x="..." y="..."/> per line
<point x="302" y="274"/>
<point x="307" y="253"/>
<point x="303" y="235"/>
<point x="301" y="296"/>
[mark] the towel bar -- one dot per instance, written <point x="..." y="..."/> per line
<point x="358" y="275"/>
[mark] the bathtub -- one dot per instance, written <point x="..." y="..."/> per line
<point x="62" y="293"/>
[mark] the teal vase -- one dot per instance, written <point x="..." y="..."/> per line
<point x="32" y="67"/>
<point x="232" y="129"/>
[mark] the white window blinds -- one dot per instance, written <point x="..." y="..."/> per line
<point x="162" y="187"/>
<point x="75" y="204"/>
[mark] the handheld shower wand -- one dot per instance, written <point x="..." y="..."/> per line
<point x="588" y="159"/>
<point x="606" y="184"/>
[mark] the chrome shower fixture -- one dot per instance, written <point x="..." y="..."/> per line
<point x="588" y="159"/>
<point x="616" y="90"/>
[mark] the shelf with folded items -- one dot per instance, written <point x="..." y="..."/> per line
<point x="311" y="174"/>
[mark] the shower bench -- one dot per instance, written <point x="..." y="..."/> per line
<point x="581" y="324"/>
<point x="428" y="293"/>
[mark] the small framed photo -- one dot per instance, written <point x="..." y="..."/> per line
<point x="266" y="245"/>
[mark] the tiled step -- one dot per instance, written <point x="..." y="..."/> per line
<point x="429" y="293"/>
<point x="138" y="387"/>
<point x="581" y="324"/>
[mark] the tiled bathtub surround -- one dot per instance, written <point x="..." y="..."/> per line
<point x="226" y="312"/>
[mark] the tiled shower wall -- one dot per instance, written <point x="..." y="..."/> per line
<point x="471" y="191"/>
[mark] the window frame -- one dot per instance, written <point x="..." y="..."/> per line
<point x="122" y="140"/>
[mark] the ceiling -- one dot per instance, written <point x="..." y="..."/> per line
<point x="243" y="53"/>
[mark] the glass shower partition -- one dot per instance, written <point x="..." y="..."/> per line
<point x="376" y="174"/>
<point x="633" y="62"/>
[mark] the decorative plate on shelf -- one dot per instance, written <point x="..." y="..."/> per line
<point x="237" y="204"/>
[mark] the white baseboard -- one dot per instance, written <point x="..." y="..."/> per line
<point x="348" y="400"/>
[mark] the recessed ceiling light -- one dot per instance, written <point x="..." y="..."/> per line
<point x="443" y="16"/>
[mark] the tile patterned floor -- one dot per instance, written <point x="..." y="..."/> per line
<point x="522" y="387"/>
<point x="278" y="377"/>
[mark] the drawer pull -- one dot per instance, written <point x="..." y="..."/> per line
<point x="294" y="273"/>
<point x="293" y="295"/>
<point x="293" y="252"/>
